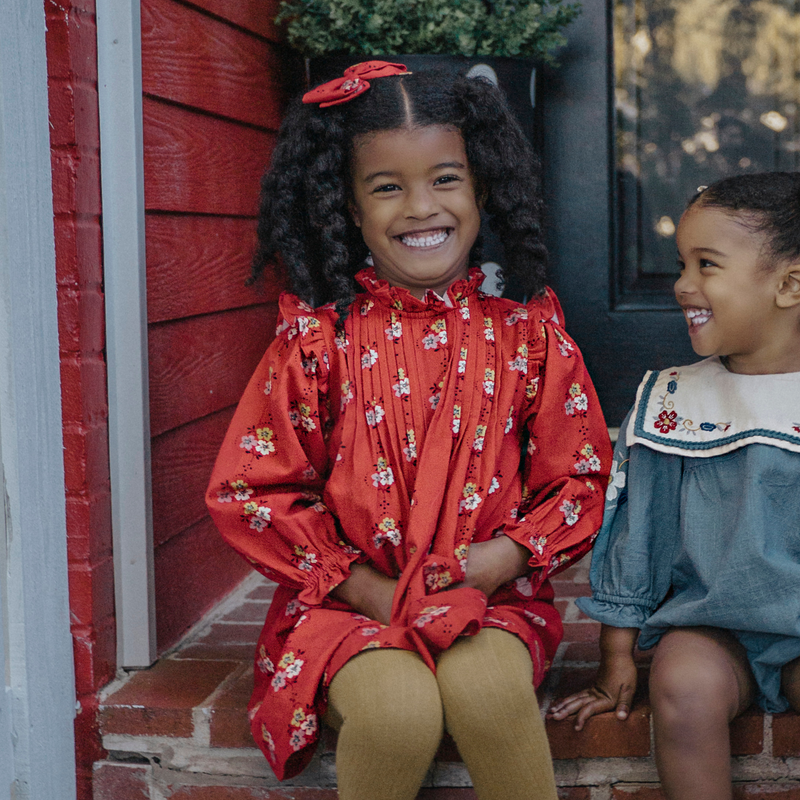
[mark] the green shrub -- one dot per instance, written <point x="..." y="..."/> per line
<point x="459" y="27"/>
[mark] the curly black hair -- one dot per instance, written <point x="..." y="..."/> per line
<point x="304" y="221"/>
<point x="765" y="202"/>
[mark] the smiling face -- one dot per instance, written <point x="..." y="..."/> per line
<point x="731" y="302"/>
<point x="414" y="200"/>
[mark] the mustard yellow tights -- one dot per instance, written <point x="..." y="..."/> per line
<point x="390" y="711"/>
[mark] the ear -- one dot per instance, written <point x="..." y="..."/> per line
<point x="351" y="207"/>
<point x="788" y="294"/>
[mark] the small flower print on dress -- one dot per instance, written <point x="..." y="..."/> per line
<point x="305" y="559"/>
<point x="464" y="308"/>
<point x="288" y="669"/>
<point x="437" y="576"/>
<point x="577" y="403"/>
<point x="456" y="419"/>
<point x="564" y="347"/>
<point x="535" y="618"/>
<point x="462" y="361"/>
<point x="538" y="543"/>
<point x="494" y="486"/>
<point x="268" y="384"/>
<point x="532" y="388"/>
<point x="259" y="516"/>
<point x="383" y="478"/>
<point x="589" y="463"/>
<point x="306" y="324"/>
<point x="395" y="329"/>
<point x="341" y="341"/>
<point x="461" y="553"/>
<point x="436" y="334"/>
<point x="410" y="450"/>
<point x="488" y="329"/>
<point x="224" y="495"/>
<point x="471" y="499"/>
<point x="347" y="394"/>
<point x="571" y="511"/>
<point x="374" y="413"/>
<point x="267" y="737"/>
<point x="403" y="386"/>
<point x="294" y="607"/>
<point x="429" y="614"/>
<point x="368" y="358"/>
<point x="387" y="530"/>
<point x="513" y="317"/>
<point x="365" y="307"/>
<point x="520" y="362"/>
<point x="488" y="381"/>
<point x="510" y="420"/>
<point x="301" y="416"/>
<point x="309" y="365"/>
<point x="263" y="661"/>
<point x="480" y="433"/>
<point x="524" y="586"/>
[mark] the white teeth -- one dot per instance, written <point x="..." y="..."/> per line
<point x="424" y="241"/>
<point x="698" y="316"/>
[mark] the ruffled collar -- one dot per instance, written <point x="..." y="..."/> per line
<point x="402" y="300"/>
<point x="703" y="410"/>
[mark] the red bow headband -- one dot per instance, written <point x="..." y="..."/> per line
<point x="353" y="83"/>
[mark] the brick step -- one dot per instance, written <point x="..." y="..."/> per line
<point x="179" y="730"/>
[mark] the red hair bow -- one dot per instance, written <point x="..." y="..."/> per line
<point x="353" y="83"/>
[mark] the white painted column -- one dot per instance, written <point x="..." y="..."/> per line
<point x="37" y="687"/>
<point x="121" y="166"/>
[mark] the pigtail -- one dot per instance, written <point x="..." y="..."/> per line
<point x="506" y="170"/>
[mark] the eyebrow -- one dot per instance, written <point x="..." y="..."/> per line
<point x="388" y="174"/>
<point x="708" y="250"/>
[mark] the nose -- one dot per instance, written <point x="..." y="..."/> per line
<point x="421" y="203"/>
<point x="683" y="286"/>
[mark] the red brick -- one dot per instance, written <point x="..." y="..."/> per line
<point x="562" y="606"/>
<point x="636" y="791"/>
<point x="73" y="113"/>
<point x="85" y="458"/>
<point x="786" y="735"/>
<point x="91" y="591"/>
<point x="251" y="793"/>
<point x="230" y="726"/>
<point x="790" y="790"/>
<point x="233" y="641"/>
<point x="94" y="651"/>
<point x="76" y="181"/>
<point x="71" y="45"/>
<point x="79" y="258"/>
<point x="581" y="631"/>
<point x="83" y="389"/>
<point x="81" y="320"/>
<point x="122" y="781"/>
<point x="566" y="589"/>
<point x="747" y="733"/>
<point x="574" y="793"/>
<point x="266" y="591"/>
<point x="88" y="526"/>
<point x="88" y="748"/>
<point x="159" y="701"/>
<point x="248" y="612"/>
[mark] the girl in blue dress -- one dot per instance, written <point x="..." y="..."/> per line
<point x="700" y="546"/>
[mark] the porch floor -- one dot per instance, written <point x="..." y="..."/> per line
<point x="179" y="730"/>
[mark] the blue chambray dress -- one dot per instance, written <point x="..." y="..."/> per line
<point x="703" y="528"/>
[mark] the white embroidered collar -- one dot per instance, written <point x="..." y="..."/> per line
<point x="703" y="410"/>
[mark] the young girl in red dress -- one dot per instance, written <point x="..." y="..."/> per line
<point x="413" y="458"/>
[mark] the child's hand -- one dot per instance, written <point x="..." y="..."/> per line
<point x="615" y="684"/>
<point x="491" y="564"/>
<point x="613" y="690"/>
<point x="368" y="591"/>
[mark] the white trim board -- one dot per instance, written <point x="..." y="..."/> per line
<point x="120" y="95"/>
<point x="37" y="692"/>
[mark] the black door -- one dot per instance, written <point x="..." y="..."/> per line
<point x="651" y="99"/>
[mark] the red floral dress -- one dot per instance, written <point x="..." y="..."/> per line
<point x="396" y="440"/>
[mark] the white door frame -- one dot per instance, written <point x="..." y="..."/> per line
<point x="37" y="691"/>
<point x="119" y="78"/>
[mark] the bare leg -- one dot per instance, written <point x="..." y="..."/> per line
<point x="700" y="680"/>
<point x="790" y="683"/>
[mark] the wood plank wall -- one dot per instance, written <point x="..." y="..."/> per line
<point x="215" y="80"/>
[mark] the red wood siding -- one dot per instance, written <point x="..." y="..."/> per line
<point x="215" y="79"/>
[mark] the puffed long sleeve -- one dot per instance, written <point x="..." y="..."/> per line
<point x="567" y="462"/>
<point x="265" y="494"/>
<point x="635" y="549"/>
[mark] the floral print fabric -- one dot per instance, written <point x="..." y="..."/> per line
<point x="395" y="440"/>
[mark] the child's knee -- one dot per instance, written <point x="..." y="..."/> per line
<point x="682" y="691"/>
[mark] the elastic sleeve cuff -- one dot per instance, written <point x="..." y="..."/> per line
<point x="325" y="577"/>
<point x="617" y="615"/>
